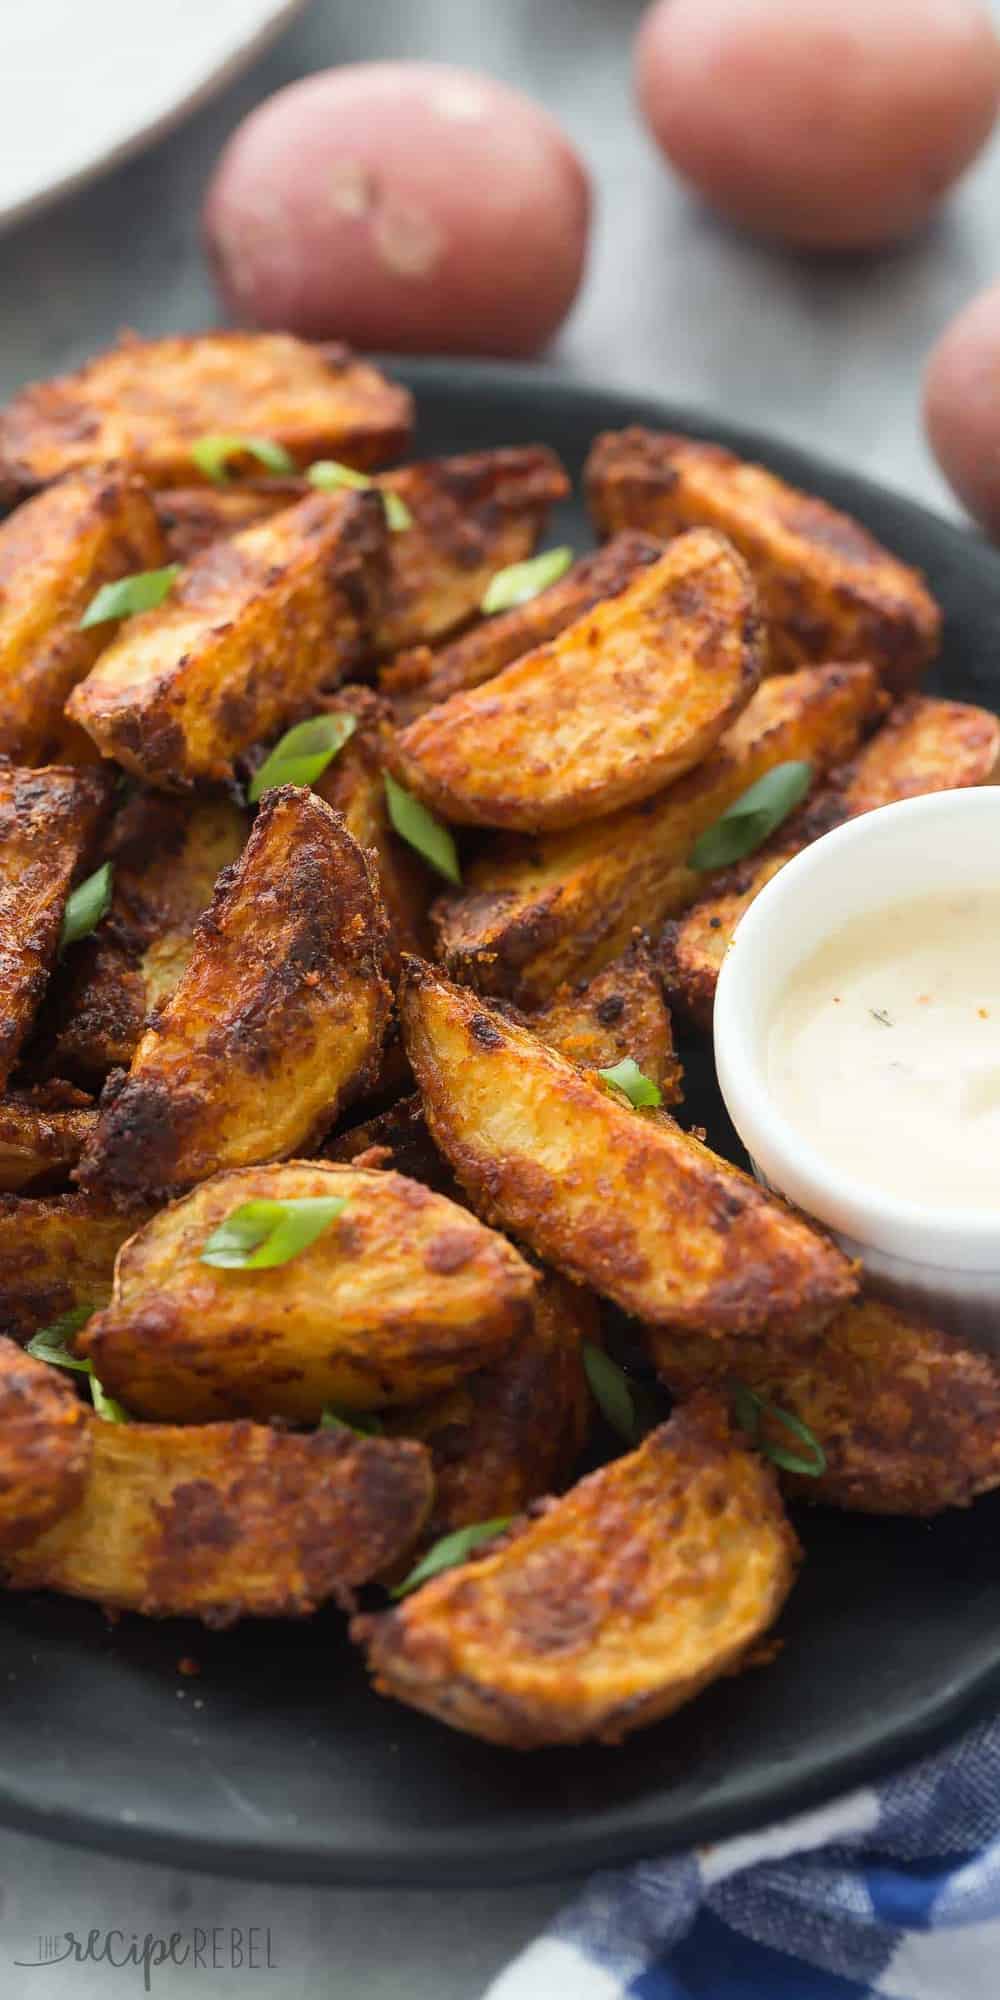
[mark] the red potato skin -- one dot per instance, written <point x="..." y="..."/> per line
<point x="412" y="206"/>
<point x="962" y="406"/>
<point x="834" y="124"/>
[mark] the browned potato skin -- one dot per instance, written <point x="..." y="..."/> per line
<point x="250" y="635"/>
<point x="44" y="1447"/>
<point x="398" y="1138"/>
<point x="55" y="552"/>
<point x="828" y="590"/>
<point x="228" y="1521"/>
<point x="400" y="1296"/>
<point x="620" y="1012"/>
<point x="353" y="784"/>
<point x="925" y="746"/>
<point x="279" y="1016"/>
<point x="606" y="1610"/>
<point x="623" y="702"/>
<point x="533" y="913"/>
<point x="148" y="401"/>
<point x="909" y="1417"/>
<point x="193" y="517"/>
<point x="43" y="1132"/>
<point x="621" y="1200"/>
<point x="56" y="1254"/>
<point x="48" y="823"/>
<point x="416" y="679"/>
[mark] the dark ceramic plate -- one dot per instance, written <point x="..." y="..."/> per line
<point x="291" y="1768"/>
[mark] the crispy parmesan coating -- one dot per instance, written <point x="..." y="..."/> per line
<point x="146" y="402"/>
<point x="193" y="517"/>
<point x="621" y="1200"/>
<point x="828" y="590"/>
<point x="48" y="823"/>
<point x="43" y="1132"/>
<point x="607" y="1609"/>
<point x="56" y="1254"/>
<point x="44" y="1447"/>
<point x="620" y="1012"/>
<point x="353" y="784"/>
<point x="278" y="1018"/>
<point x="228" y="1521"/>
<point x="907" y="1415"/>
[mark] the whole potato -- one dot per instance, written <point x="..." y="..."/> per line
<point x="962" y="406"/>
<point x="836" y="124"/>
<point x="403" y="205"/>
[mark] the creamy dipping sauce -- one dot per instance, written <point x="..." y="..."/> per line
<point x="884" y="1050"/>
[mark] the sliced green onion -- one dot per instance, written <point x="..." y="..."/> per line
<point x="51" y="1344"/>
<point x="420" y="828"/>
<point x="751" y="1407"/>
<point x="521" y="581"/>
<point x="259" y="1235"/>
<point x="303" y="753"/>
<point x="745" y="825"/>
<point x="85" y="906"/>
<point x="328" y="474"/>
<point x="364" y="1423"/>
<point x="105" y="1405"/>
<point x="449" y="1551"/>
<point x="213" y="452"/>
<point x="611" y="1390"/>
<point x="139" y="592"/>
<point x="627" y="1077"/>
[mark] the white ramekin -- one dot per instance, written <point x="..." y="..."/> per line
<point x="944" y="1262"/>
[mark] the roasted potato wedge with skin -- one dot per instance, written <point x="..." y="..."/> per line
<point x="535" y="913"/>
<point x="908" y="1417"/>
<point x="622" y="703"/>
<point x="416" y="679"/>
<point x="55" y="552"/>
<point x="828" y="590"/>
<point x="193" y="517"/>
<point x="925" y="746"/>
<point x="397" y="1138"/>
<point x="48" y="823"/>
<point x="620" y="1012"/>
<point x="43" y="1132"/>
<point x="610" y="1608"/>
<point x="354" y="785"/>
<point x="621" y="1200"/>
<point x="146" y="402"/>
<point x="248" y="638"/>
<point x="45" y="1441"/>
<point x="279" y="1016"/>
<point x="56" y="1254"/>
<point x="400" y="1296"/>
<point x="228" y="1521"/>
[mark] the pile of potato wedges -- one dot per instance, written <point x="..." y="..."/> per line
<point x="352" y="1245"/>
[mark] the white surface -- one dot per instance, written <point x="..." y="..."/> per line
<point x="84" y="82"/>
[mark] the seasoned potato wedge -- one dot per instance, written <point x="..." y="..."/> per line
<point x="621" y="1200"/>
<point x="48" y="823"/>
<point x="609" y="1608"/>
<point x="620" y="1012"/>
<point x="828" y="590"/>
<point x="55" y="552"/>
<point x="228" y="1521"/>
<point x="416" y="679"/>
<point x="43" y="1132"/>
<point x="620" y="704"/>
<point x="403" y="1293"/>
<point x="193" y="517"/>
<point x="56" y="1254"/>
<point x="533" y="913"/>
<point x="249" y="636"/>
<point x="925" y="746"/>
<point x="278" y="1017"/>
<point x="397" y="1138"/>
<point x="907" y="1416"/>
<point x="353" y="784"/>
<point x="148" y="401"/>
<point x="45" y="1437"/>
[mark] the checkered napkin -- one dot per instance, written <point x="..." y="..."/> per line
<point x="893" y="1890"/>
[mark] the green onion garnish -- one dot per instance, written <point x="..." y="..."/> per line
<point x="85" y="906"/>
<point x="140" y="592"/>
<point x="51" y="1344"/>
<point x="627" y="1078"/>
<point x="745" y="825"/>
<point x="449" y="1551"/>
<point x="303" y="753"/>
<point x="751" y="1407"/>
<point x="213" y="452"/>
<point x="420" y="828"/>
<point x="521" y="581"/>
<point x="259" y="1235"/>
<point x="328" y="474"/>
<point x="364" y="1423"/>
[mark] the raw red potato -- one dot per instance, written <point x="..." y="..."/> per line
<point x="962" y="406"/>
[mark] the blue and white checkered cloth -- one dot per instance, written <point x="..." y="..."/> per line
<point x="894" y="1890"/>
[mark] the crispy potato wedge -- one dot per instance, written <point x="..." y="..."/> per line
<point x="48" y="823"/>
<point x="533" y="913"/>
<point x="148" y="401"/>
<point x="353" y="784"/>
<point x="400" y="1296"/>
<point x="43" y="1132"/>
<point x="397" y="1138"/>
<point x="45" y="1441"/>
<point x="278" y="1017"/>
<point x="828" y="590"/>
<point x="925" y="746"/>
<point x="621" y="1200"/>
<point x="907" y="1415"/>
<point x="418" y="678"/>
<point x="620" y="1012"/>
<point x="55" y="552"/>
<point x="56" y="1254"/>
<point x="609" y="1608"/>
<point x="193" y="517"/>
<point x="228" y="1521"/>
<point x="620" y="704"/>
<point x="249" y="636"/>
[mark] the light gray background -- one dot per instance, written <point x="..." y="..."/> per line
<point x="826" y="353"/>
